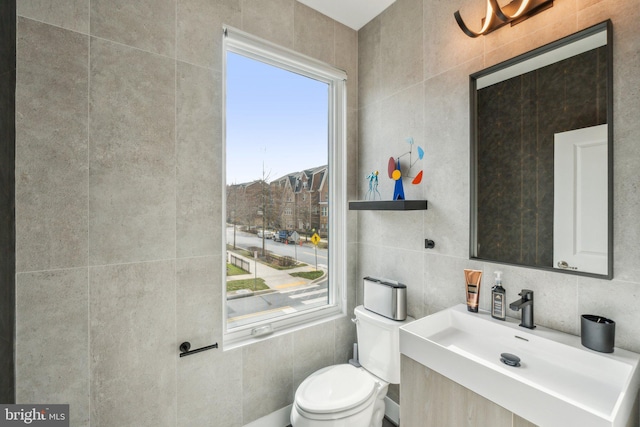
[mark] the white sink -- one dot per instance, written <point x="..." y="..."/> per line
<point x="558" y="383"/>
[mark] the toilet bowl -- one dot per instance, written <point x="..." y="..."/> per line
<point x="348" y="396"/>
<point x="339" y="396"/>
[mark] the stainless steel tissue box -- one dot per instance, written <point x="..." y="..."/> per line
<point x="387" y="298"/>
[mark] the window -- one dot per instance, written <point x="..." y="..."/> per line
<point x="285" y="122"/>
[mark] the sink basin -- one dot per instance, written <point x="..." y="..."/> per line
<point x="558" y="383"/>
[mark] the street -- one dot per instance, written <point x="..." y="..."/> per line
<point x="288" y="294"/>
<point x="304" y="253"/>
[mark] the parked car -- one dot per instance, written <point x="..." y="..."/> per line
<point x="268" y="234"/>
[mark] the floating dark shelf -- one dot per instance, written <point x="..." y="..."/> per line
<point x="388" y="205"/>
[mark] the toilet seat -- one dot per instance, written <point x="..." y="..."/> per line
<point x="335" y="389"/>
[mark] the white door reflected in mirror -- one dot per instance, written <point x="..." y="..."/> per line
<point x="580" y="210"/>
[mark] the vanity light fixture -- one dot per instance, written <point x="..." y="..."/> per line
<point x="496" y="16"/>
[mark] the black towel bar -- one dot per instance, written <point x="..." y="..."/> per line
<point x="185" y="346"/>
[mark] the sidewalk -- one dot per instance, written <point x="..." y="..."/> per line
<point x="274" y="278"/>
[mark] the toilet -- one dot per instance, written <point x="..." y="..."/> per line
<point x="348" y="396"/>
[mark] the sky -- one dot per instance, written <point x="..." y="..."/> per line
<point x="275" y="118"/>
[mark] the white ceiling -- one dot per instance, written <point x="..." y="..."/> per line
<point x="352" y="13"/>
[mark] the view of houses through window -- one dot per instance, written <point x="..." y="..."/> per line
<point x="277" y="192"/>
<point x="294" y="202"/>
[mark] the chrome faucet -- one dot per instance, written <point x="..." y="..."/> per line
<point x="526" y="304"/>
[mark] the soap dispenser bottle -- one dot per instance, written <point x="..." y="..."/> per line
<point x="498" y="294"/>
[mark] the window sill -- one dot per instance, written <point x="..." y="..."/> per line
<point x="238" y="339"/>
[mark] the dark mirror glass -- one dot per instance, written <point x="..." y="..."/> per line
<point x="541" y="157"/>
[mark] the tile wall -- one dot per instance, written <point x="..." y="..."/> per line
<point x="119" y="251"/>
<point x="7" y="197"/>
<point x="414" y="65"/>
<point x="117" y="157"/>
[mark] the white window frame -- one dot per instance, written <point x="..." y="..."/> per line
<point x="242" y="43"/>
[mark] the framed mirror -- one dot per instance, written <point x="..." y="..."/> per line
<point x="542" y="157"/>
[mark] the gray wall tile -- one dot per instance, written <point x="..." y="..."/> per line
<point x="401" y="46"/>
<point x="209" y="389"/>
<point x="134" y="350"/>
<point x="345" y="338"/>
<point x="69" y="14"/>
<point x="198" y="160"/>
<point x="445" y="46"/>
<point x="52" y="340"/>
<point x="152" y="169"/>
<point x="346" y="58"/>
<point x="352" y="161"/>
<point x="625" y="109"/>
<point x="209" y="384"/>
<point x="447" y="159"/>
<point x="199" y="300"/>
<point x="51" y="147"/>
<point x="199" y="38"/>
<point x="369" y="63"/>
<point x="444" y="283"/>
<point x="132" y="162"/>
<point x="145" y="24"/>
<point x="410" y="224"/>
<point x="314" y="33"/>
<point x="267" y="377"/>
<point x="273" y="21"/>
<point x="314" y="348"/>
<point x="371" y="263"/>
<point x="370" y="125"/>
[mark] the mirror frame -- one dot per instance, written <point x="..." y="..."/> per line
<point x="514" y="64"/>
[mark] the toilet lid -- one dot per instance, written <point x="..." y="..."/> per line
<point x="333" y="389"/>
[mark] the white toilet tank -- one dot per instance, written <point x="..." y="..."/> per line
<point x="379" y="344"/>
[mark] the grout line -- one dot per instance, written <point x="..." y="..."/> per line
<point x="115" y="264"/>
<point x="175" y="133"/>
<point x="50" y="24"/>
<point x="174" y="57"/>
<point x="175" y="206"/>
<point x="89" y="367"/>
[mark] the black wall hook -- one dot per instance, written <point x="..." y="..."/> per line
<point x="185" y="346"/>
